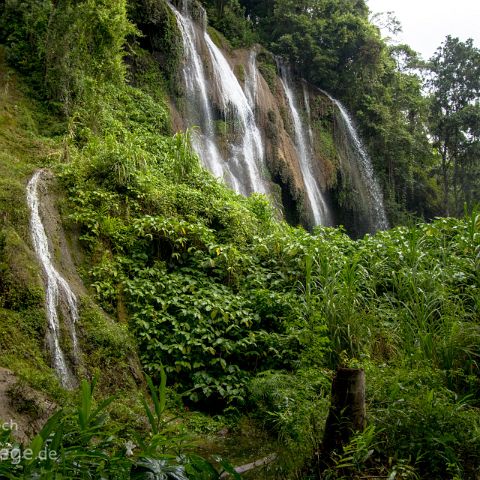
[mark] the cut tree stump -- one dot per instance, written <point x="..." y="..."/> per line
<point x="347" y="408"/>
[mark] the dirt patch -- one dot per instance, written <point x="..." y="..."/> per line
<point x="22" y="409"/>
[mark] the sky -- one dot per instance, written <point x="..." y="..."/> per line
<point x="426" y="23"/>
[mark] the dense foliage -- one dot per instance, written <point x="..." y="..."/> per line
<point x="219" y="291"/>
<point x="76" y="443"/>
<point x="455" y="119"/>
<point x="242" y="310"/>
<point x="65" y="46"/>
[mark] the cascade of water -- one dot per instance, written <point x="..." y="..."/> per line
<point x="251" y="80"/>
<point x="358" y="155"/>
<point x="198" y="104"/>
<point x="248" y="156"/>
<point x="318" y="206"/>
<point x="244" y="168"/>
<point x="306" y="101"/>
<point x="57" y="288"/>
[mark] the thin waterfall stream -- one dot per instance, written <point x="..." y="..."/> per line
<point x="318" y="205"/>
<point x="60" y="300"/>
<point x="306" y="101"/>
<point x="358" y="156"/>
<point x="251" y="79"/>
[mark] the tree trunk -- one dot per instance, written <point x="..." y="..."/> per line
<point x="347" y="408"/>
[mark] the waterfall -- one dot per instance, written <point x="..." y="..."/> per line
<point x="251" y="80"/>
<point x="359" y="159"/>
<point x="318" y="206"/>
<point x="198" y="106"/>
<point x="248" y="156"/>
<point x="236" y="153"/>
<point x="306" y="101"/>
<point x="243" y="166"/>
<point x="59" y="298"/>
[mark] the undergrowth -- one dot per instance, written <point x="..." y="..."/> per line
<point x="245" y="313"/>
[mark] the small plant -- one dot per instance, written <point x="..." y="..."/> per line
<point x="80" y="444"/>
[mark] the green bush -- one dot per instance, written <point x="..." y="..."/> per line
<point x="65" y="46"/>
<point x="80" y="443"/>
<point x="422" y="421"/>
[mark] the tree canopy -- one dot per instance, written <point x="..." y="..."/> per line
<point x="455" y="121"/>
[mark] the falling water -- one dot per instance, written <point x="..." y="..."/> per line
<point x="251" y="79"/>
<point x="318" y="205"/>
<point x="57" y="288"/>
<point x="357" y="154"/>
<point x="244" y="167"/>
<point x="306" y="101"/>
<point x="198" y="104"/>
<point x="247" y="157"/>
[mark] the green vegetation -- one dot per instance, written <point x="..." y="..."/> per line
<point x="228" y="16"/>
<point x="240" y="301"/>
<point x="248" y="316"/>
<point x="27" y="140"/>
<point x="160" y="37"/>
<point x="455" y="119"/>
<point x="268" y="69"/>
<point x="75" y="443"/>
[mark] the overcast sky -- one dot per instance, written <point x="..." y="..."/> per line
<point x="426" y="23"/>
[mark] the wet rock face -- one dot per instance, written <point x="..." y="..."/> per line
<point x="260" y="129"/>
<point x="293" y="162"/>
<point x="250" y="130"/>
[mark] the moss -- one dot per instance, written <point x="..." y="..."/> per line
<point x="145" y="73"/>
<point x="268" y="68"/>
<point x="107" y="346"/>
<point x="239" y="71"/>
<point x="20" y="284"/>
<point x="218" y="39"/>
<point x="221" y="127"/>
<point x="23" y="148"/>
<point x="161" y="35"/>
<point x="325" y="142"/>
<point x="21" y="350"/>
<point x="271" y="128"/>
<point x="326" y="150"/>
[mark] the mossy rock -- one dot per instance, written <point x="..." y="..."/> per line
<point x="107" y="346"/>
<point x="161" y="35"/>
<point x="239" y="71"/>
<point x="20" y="280"/>
<point x="268" y="68"/>
<point x="218" y="39"/>
<point x="269" y="73"/>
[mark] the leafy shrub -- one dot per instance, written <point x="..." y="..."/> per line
<point x="294" y="407"/>
<point x="80" y="444"/>
<point x="424" y="422"/>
